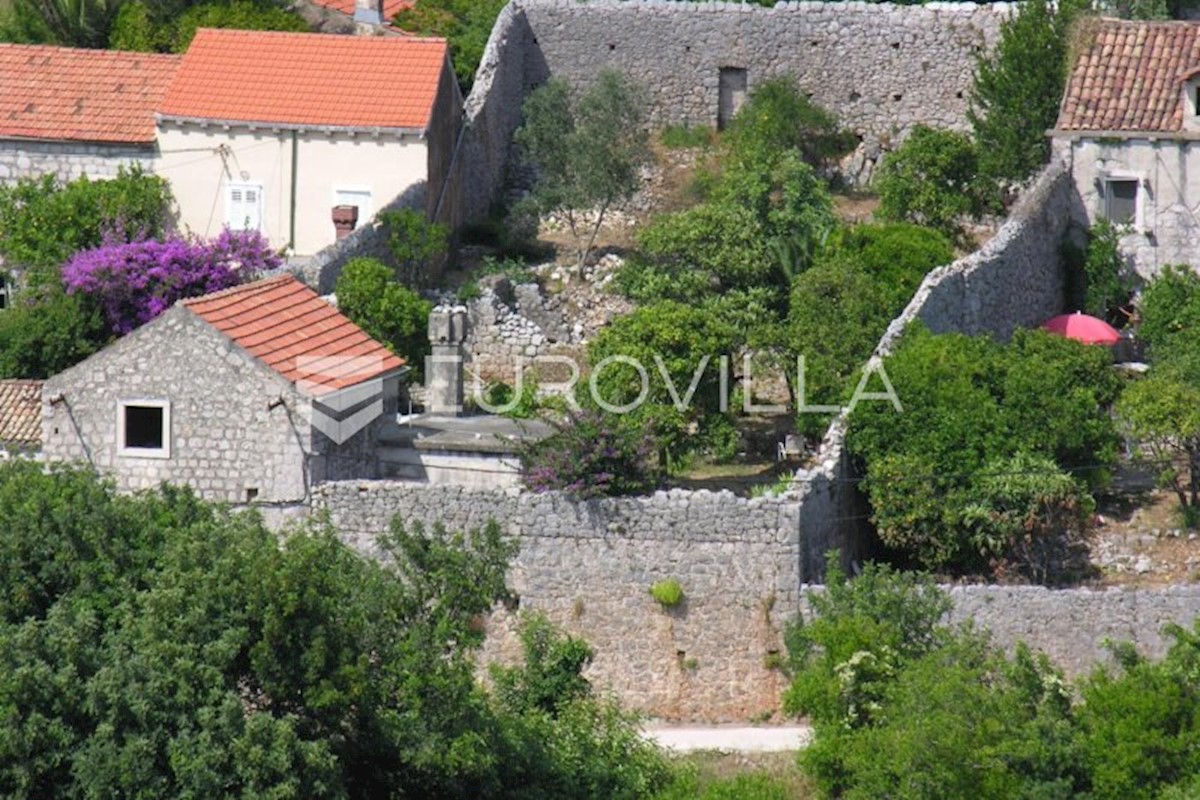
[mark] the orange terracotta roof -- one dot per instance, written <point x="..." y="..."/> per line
<point x="81" y="95"/>
<point x="1131" y="77"/>
<point x="307" y="79"/>
<point x="21" y="413"/>
<point x="390" y="7"/>
<point x="288" y="327"/>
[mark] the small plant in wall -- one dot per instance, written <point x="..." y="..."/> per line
<point x="668" y="593"/>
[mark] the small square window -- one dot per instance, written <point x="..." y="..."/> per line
<point x="1120" y="200"/>
<point x="144" y="428"/>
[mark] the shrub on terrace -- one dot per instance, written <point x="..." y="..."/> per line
<point x="930" y="180"/>
<point x="369" y="294"/>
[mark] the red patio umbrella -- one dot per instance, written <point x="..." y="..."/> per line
<point x="1083" y="328"/>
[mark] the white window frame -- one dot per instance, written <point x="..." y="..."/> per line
<point x="1138" y="224"/>
<point x="364" y="214"/>
<point x="239" y="224"/>
<point x="144" y="452"/>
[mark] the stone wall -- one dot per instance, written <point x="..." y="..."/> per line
<point x="1071" y="625"/>
<point x="68" y="160"/>
<point x="881" y="68"/>
<point x="590" y="564"/>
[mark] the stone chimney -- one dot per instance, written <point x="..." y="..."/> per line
<point x="444" y="367"/>
<point x="368" y="12"/>
<point x="345" y="218"/>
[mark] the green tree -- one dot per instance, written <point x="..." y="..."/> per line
<point x="930" y="180"/>
<point x="71" y="23"/>
<point x="415" y="243"/>
<point x="589" y="151"/>
<point x="670" y="342"/>
<point x="970" y="407"/>
<point x="139" y="26"/>
<point x="1101" y="281"/>
<point x="1162" y="411"/>
<point x="465" y="24"/>
<point x="1170" y="312"/>
<point x="777" y="118"/>
<point x="1017" y="89"/>
<point x="388" y="311"/>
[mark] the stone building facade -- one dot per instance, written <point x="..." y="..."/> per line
<point x="69" y="160"/>
<point x="181" y="401"/>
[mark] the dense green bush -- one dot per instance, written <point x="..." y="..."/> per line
<point x="44" y="221"/>
<point x="930" y="180"/>
<point x="414" y="242"/>
<point x="139" y="26"/>
<point x="777" y="118"/>
<point x="159" y="646"/>
<point x="1170" y="313"/>
<point x="40" y="339"/>
<point x="970" y="407"/>
<point x="465" y="24"/>
<point x="670" y="341"/>
<point x="863" y="278"/>
<point x="369" y="294"/>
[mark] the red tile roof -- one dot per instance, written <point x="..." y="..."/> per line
<point x="81" y="95"/>
<point x="21" y="413"/>
<point x="308" y="79"/>
<point x="390" y="7"/>
<point x="1131" y="77"/>
<point x="288" y="327"/>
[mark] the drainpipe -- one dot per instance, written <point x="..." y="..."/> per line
<point x="292" y="215"/>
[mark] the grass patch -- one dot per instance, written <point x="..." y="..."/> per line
<point x="708" y="775"/>
<point x="685" y="137"/>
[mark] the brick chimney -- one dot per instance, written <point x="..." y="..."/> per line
<point x="345" y="218"/>
<point x="368" y="12"/>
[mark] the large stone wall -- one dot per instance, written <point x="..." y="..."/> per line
<point x="68" y="160"/>
<point x="1072" y="625"/>
<point x="590" y="564"/>
<point x="881" y="68"/>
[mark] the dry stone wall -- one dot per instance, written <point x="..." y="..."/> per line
<point x="67" y="160"/>
<point x="590" y="564"/>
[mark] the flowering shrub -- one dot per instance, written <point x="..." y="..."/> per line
<point x="592" y="455"/>
<point x="136" y="281"/>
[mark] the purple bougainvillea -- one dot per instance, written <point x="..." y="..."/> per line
<point x="593" y="455"/>
<point x="136" y="281"/>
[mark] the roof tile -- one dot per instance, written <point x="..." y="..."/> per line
<point x="21" y="413"/>
<point x="64" y="93"/>
<point x="288" y="327"/>
<point x="1130" y="78"/>
<point x="308" y="79"/>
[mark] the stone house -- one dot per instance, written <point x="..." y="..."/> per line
<point x="20" y="417"/>
<point x="250" y="395"/>
<point x="275" y="131"/>
<point x="1129" y="127"/>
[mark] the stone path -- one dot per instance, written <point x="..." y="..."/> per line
<point x="730" y="738"/>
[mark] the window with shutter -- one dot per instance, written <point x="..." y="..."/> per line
<point x="243" y="210"/>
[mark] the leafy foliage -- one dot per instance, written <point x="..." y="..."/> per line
<point x="414" y="242"/>
<point x="592" y="454"/>
<point x="777" y="118"/>
<point x="668" y="342"/>
<point x="42" y="338"/>
<point x="1101" y="283"/>
<point x="588" y="150"/>
<point x="970" y="406"/>
<point x="71" y="23"/>
<point x="930" y="180"/>
<point x="667" y="592"/>
<point x="1170" y="313"/>
<point x="550" y="677"/>
<point x="134" y="282"/>
<point x="43" y="221"/>
<point x="840" y="307"/>
<point x="149" y="28"/>
<point x="1017" y="89"/>
<point x="160" y="646"/>
<point x="388" y="311"/>
<point x="465" y="24"/>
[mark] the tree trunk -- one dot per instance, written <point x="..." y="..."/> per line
<point x="583" y="254"/>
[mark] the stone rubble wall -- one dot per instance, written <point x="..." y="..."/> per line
<point x="589" y="565"/>
<point x="68" y="160"/>
<point x="1071" y="625"/>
